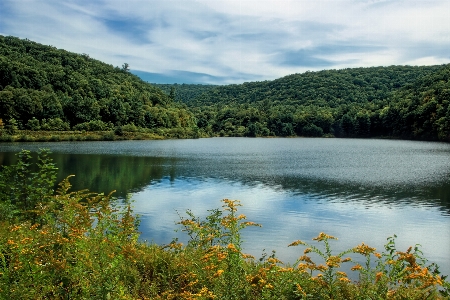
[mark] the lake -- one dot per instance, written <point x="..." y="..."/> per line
<point x="355" y="189"/>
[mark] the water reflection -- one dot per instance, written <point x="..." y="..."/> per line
<point x="288" y="216"/>
<point x="357" y="190"/>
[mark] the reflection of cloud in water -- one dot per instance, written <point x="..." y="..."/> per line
<point x="288" y="216"/>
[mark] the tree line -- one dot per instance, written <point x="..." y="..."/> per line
<point x="45" y="88"/>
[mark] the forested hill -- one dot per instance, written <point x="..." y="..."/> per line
<point x="45" y="88"/>
<point x="395" y="101"/>
<point x="42" y="87"/>
<point x="328" y="87"/>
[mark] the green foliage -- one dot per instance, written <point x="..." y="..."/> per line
<point x="22" y="189"/>
<point x="43" y="82"/>
<point x="33" y="124"/>
<point x="11" y="127"/>
<point x="95" y="125"/>
<point x="54" y="125"/>
<point x="360" y="102"/>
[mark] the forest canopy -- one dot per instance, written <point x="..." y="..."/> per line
<point x="45" y="88"/>
<point x="396" y="101"/>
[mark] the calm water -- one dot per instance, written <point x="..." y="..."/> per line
<point x="356" y="190"/>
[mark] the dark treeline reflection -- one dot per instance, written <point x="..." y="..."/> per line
<point x="105" y="173"/>
<point x="128" y="174"/>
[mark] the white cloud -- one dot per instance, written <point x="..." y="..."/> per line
<point x="238" y="40"/>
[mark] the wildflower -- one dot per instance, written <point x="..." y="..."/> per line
<point x="209" y="267"/>
<point x="221" y="256"/>
<point x="333" y="261"/>
<point x="307" y="250"/>
<point x="15" y="228"/>
<point x="346" y="259"/>
<point x="305" y="258"/>
<point x="378" y="276"/>
<point x="363" y="249"/>
<point x="296" y="243"/>
<point x="34" y="226"/>
<point x="232" y="247"/>
<point x="252" y="224"/>
<point x="218" y="273"/>
<point x="299" y="288"/>
<point x="249" y="256"/>
<point x="377" y="255"/>
<point x="342" y="274"/>
<point x="268" y="286"/>
<point x="344" y="279"/>
<point x="323" y="236"/>
<point x="321" y="268"/>
<point x="273" y="260"/>
<point x="356" y="267"/>
<point x="25" y="240"/>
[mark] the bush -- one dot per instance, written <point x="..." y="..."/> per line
<point x="33" y="124"/>
<point x="54" y="125"/>
<point x="11" y="127"/>
<point x="118" y="131"/>
<point x="312" y="131"/>
<point x="95" y="125"/>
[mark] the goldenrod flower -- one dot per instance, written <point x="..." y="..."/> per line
<point x="364" y="249"/>
<point x="323" y="236"/>
<point x="378" y="276"/>
<point x="346" y="259"/>
<point x="296" y="243"/>
<point x="16" y="228"/>
<point x="268" y="286"/>
<point x="344" y="279"/>
<point x="340" y="273"/>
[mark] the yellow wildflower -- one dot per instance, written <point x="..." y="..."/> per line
<point x="378" y="276"/>
<point x="323" y="236"/>
<point x="296" y="243"/>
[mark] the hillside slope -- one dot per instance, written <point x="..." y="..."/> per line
<point x="359" y="102"/>
<point x="48" y="88"/>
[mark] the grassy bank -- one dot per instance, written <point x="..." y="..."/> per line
<point x="113" y="135"/>
<point x="81" y="245"/>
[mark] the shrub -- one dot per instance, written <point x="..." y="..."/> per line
<point x="54" y="124"/>
<point x="33" y="124"/>
<point x="312" y="130"/>
<point x="94" y="125"/>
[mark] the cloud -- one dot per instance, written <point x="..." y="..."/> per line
<point x="232" y="41"/>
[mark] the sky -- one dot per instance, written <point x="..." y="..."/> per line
<point x="232" y="41"/>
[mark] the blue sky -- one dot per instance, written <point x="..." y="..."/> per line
<point x="230" y="41"/>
